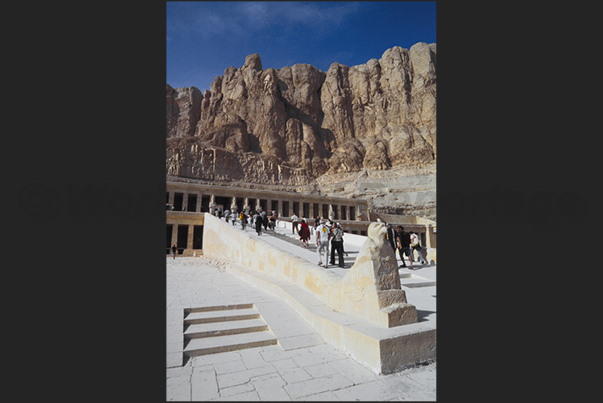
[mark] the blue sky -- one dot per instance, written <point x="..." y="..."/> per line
<point x="203" y="38"/>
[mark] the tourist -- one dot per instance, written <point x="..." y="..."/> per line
<point x="403" y="242"/>
<point x="174" y="251"/>
<point x="322" y="242"/>
<point x="272" y="223"/>
<point x="258" y="223"/>
<point x="414" y="243"/>
<point x="304" y="233"/>
<point x="243" y="218"/>
<point x="337" y="244"/>
<point x="294" y="221"/>
<point x="264" y="220"/>
<point x="233" y="218"/>
<point x="391" y="236"/>
<point x="316" y="222"/>
<point x="226" y="214"/>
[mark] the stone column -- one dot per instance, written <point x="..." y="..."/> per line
<point x="184" y="201"/>
<point x="331" y="213"/>
<point x="174" y="235"/>
<point x="189" y="239"/>
<point x="280" y="208"/>
<point x="246" y="205"/>
<point x="257" y="204"/>
<point x="430" y="238"/>
<point x="233" y="203"/>
<point x="199" y="200"/>
<point x="212" y="204"/>
<point x="339" y="212"/>
<point x="171" y="198"/>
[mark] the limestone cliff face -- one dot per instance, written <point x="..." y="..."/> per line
<point x="299" y="126"/>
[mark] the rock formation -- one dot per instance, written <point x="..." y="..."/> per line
<point x="300" y="128"/>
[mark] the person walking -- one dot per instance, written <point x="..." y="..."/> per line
<point x="403" y="242"/>
<point x="322" y="243"/>
<point x="258" y="224"/>
<point x="294" y="222"/>
<point x="233" y="218"/>
<point x="337" y="244"/>
<point x="264" y="220"/>
<point x="414" y="244"/>
<point x="174" y="251"/>
<point x="304" y="233"/>
<point x="243" y="218"/>
<point x="273" y="221"/>
<point x="391" y="236"/>
<point x="226" y="215"/>
<point x="316" y="222"/>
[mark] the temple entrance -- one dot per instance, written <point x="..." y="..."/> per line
<point x="198" y="237"/>
<point x="191" y="203"/>
<point x="178" y="198"/>
<point x="240" y="204"/>
<point x="224" y="201"/>
<point x="168" y="231"/>
<point x="205" y="204"/>
<point x="182" y="238"/>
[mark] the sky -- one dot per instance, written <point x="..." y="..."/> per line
<point x="203" y="38"/>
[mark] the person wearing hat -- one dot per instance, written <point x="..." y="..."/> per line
<point x="322" y="243"/>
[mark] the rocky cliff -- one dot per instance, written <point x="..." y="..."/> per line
<point x="362" y="131"/>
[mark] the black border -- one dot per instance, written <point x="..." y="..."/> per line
<point x="515" y="93"/>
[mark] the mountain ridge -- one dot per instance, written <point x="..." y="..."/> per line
<point x="300" y="127"/>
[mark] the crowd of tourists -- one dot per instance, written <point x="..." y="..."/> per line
<point x="328" y="235"/>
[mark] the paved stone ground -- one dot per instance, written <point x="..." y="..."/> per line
<point x="305" y="368"/>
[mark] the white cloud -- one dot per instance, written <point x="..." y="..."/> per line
<point x="227" y="18"/>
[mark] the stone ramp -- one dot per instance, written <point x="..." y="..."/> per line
<point x="421" y="276"/>
<point x="218" y="329"/>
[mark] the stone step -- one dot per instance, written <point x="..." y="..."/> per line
<point x="218" y="308"/>
<point x="220" y="344"/>
<point x="215" y="329"/>
<point x="419" y="284"/>
<point x="220" y="316"/>
<point x="414" y="282"/>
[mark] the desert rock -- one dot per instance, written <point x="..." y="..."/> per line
<point x="299" y="126"/>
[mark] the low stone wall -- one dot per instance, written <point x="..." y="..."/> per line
<point x="224" y="242"/>
<point x="364" y="313"/>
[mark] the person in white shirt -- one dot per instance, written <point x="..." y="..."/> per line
<point x="322" y="243"/>
<point x="294" y="220"/>
<point x="414" y="244"/>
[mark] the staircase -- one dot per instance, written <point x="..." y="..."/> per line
<point x="217" y="329"/>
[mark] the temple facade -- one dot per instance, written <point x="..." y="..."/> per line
<point x="186" y="204"/>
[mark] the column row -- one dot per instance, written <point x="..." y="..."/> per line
<point x="198" y="202"/>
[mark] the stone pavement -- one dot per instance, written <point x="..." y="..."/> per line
<point x="301" y="367"/>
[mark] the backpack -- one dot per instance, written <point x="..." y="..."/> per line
<point x="338" y="234"/>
